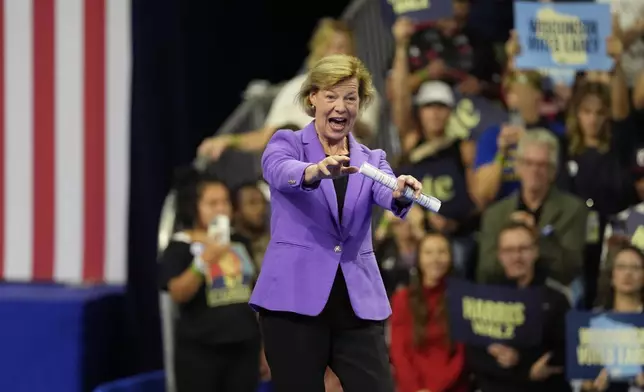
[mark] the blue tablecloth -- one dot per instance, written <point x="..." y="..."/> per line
<point x="148" y="382"/>
<point x="55" y="338"/>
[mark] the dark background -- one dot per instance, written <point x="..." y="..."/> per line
<point x="192" y="61"/>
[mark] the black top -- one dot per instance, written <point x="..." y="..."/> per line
<point x="628" y="143"/>
<point x="219" y="311"/>
<point x="395" y="268"/>
<point x="443" y="174"/>
<point x="599" y="177"/>
<point x="338" y="311"/>
<point x="340" y="185"/>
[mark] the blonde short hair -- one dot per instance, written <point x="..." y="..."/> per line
<point x="323" y="34"/>
<point x="542" y="137"/>
<point x="332" y="70"/>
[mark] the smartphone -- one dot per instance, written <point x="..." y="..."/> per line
<point x="515" y="119"/>
<point x="219" y="228"/>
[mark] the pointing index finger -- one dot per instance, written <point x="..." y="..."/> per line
<point x="341" y="158"/>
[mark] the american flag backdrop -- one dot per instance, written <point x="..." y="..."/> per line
<point x="64" y="139"/>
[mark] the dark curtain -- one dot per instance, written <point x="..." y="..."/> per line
<point x="192" y="60"/>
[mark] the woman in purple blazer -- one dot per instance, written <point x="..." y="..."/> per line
<point x="320" y="295"/>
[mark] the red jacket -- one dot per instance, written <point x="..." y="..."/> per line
<point x="434" y="366"/>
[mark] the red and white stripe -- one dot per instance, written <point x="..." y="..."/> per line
<point x="64" y="139"/>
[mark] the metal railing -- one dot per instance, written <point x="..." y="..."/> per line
<point x="375" y="46"/>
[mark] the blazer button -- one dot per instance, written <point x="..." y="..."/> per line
<point x="337" y="249"/>
<point x="292" y="182"/>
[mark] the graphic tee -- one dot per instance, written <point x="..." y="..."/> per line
<point x="219" y="311"/>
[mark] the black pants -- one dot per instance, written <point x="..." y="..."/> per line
<point x="299" y="348"/>
<point x="229" y="367"/>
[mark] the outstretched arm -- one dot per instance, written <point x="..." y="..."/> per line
<point x="282" y="170"/>
<point x="253" y="141"/>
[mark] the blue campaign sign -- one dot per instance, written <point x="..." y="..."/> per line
<point x="595" y="341"/>
<point x="474" y="114"/>
<point x="567" y="36"/>
<point x="417" y="10"/>
<point x="484" y="314"/>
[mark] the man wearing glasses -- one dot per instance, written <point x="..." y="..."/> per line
<point x="506" y="367"/>
<point x="557" y="218"/>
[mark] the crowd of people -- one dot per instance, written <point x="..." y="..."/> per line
<point x="540" y="200"/>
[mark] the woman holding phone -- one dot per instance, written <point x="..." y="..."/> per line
<point x="217" y="343"/>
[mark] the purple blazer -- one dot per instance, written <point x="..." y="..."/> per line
<point x="307" y="242"/>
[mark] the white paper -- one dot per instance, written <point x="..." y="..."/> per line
<point x="426" y="201"/>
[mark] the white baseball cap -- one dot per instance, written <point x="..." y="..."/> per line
<point x="435" y="92"/>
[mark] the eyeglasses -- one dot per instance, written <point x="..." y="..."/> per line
<point x="513" y="250"/>
<point x="628" y="267"/>
<point x="537" y="164"/>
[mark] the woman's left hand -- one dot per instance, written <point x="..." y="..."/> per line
<point x="614" y="47"/>
<point x="639" y="380"/>
<point x="410" y="181"/>
<point x="614" y="44"/>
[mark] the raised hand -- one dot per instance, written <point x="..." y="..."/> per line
<point x="512" y="47"/>
<point x="614" y="43"/>
<point x="505" y="356"/>
<point x="213" y="251"/>
<point x="599" y="384"/>
<point x="213" y="147"/>
<point x="639" y="380"/>
<point x="541" y="370"/>
<point x="523" y="217"/>
<point x="402" y="30"/>
<point x="509" y="136"/>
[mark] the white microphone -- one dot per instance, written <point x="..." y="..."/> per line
<point x="429" y="202"/>
<point x="219" y="228"/>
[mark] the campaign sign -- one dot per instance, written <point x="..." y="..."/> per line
<point x="614" y="341"/>
<point x="635" y="228"/>
<point x="568" y="36"/>
<point x="485" y="314"/>
<point x="417" y="10"/>
<point x="474" y="114"/>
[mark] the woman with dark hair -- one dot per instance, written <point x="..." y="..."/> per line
<point x="621" y="290"/>
<point x="595" y="170"/>
<point x="424" y="357"/>
<point x="217" y="343"/>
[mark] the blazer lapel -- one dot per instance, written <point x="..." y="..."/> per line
<point x="354" y="187"/>
<point x="315" y="153"/>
